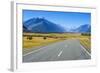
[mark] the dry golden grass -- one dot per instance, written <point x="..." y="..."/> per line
<point x="39" y="41"/>
<point x="36" y="41"/>
<point x="30" y="45"/>
<point x="86" y="42"/>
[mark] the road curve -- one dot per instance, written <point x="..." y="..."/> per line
<point x="65" y="50"/>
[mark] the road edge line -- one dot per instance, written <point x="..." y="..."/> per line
<point x="85" y="50"/>
<point x="32" y="51"/>
<point x="37" y="49"/>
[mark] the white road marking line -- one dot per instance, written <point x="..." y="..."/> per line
<point x="33" y="51"/>
<point x="60" y="53"/>
<point x="29" y="53"/>
<point x="85" y="50"/>
<point x="36" y="50"/>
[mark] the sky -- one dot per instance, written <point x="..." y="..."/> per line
<point x="66" y="19"/>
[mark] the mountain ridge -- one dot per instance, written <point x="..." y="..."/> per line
<point x="42" y="25"/>
<point x="86" y="28"/>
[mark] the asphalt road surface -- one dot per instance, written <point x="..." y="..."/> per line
<point x="65" y="50"/>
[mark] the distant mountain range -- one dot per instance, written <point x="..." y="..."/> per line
<point x="42" y="25"/>
<point x="86" y="28"/>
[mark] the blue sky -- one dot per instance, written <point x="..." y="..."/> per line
<point x="66" y="19"/>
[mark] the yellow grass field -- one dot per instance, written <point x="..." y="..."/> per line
<point x="38" y="40"/>
<point x="86" y="42"/>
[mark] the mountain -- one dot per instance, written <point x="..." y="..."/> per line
<point x="42" y="25"/>
<point x="83" y="29"/>
<point x="25" y="29"/>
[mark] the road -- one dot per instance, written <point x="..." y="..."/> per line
<point x="65" y="50"/>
